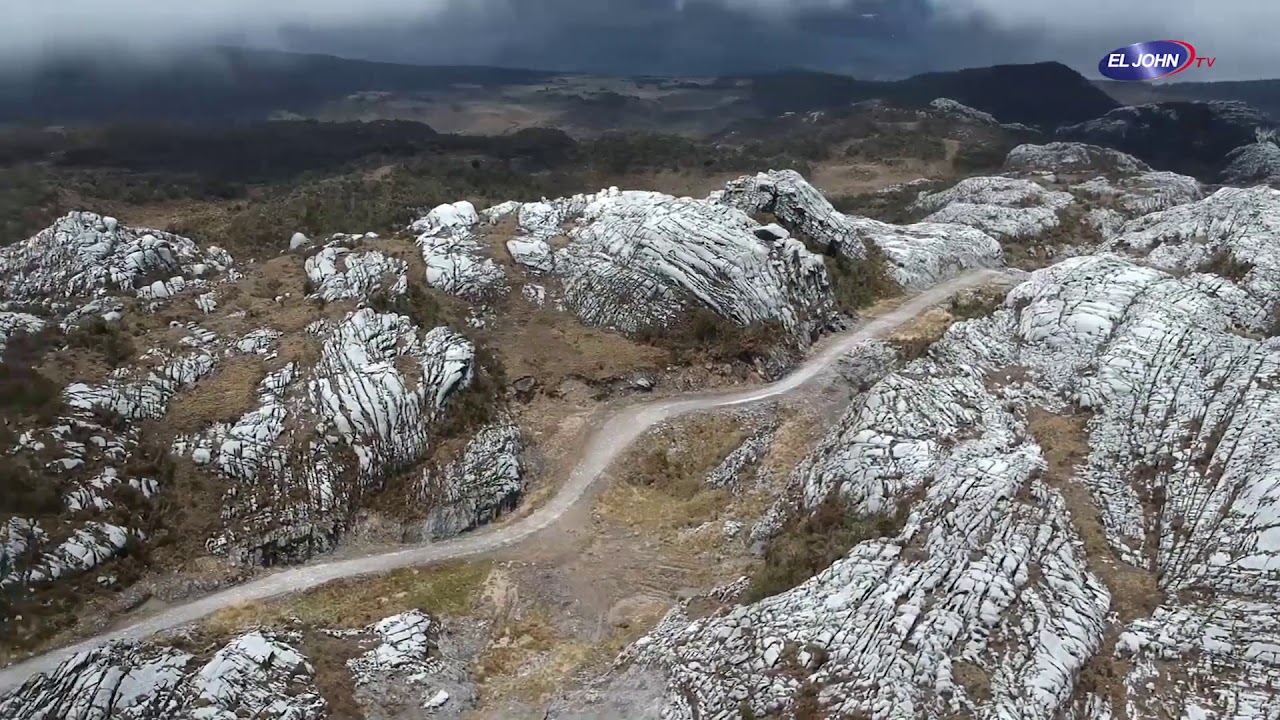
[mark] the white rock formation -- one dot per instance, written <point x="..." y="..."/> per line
<point x="86" y="254"/>
<point x="1071" y="157"/>
<point x="256" y="675"/>
<point x="797" y="204"/>
<point x="676" y="251"/>
<point x="338" y="272"/>
<point x="485" y="480"/>
<point x="260" y="674"/>
<point x="456" y="264"/>
<point x="1253" y="163"/>
<point x="948" y="106"/>
<point x="1007" y="208"/>
<point x="988" y="603"/>
<point x="533" y="253"/>
<point x="145" y="397"/>
<point x="324" y="435"/>
<point x="918" y="255"/>
<point x="1235" y="225"/>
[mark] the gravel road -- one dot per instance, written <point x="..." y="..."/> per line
<point x="608" y="441"/>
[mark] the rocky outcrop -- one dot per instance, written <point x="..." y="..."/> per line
<point x="1006" y="208"/>
<point x="677" y="254"/>
<point x="1022" y="565"/>
<point x="341" y="271"/>
<point x="951" y="107"/>
<point x="1071" y="157"/>
<point x="1252" y="164"/>
<point x="456" y="264"/>
<point x="1225" y="241"/>
<point x="1191" y="138"/>
<point x="1112" y="203"/>
<point x="917" y="255"/>
<point x="84" y="254"/>
<point x="260" y="674"/>
<point x="485" y="480"/>
<point x="321" y="437"/>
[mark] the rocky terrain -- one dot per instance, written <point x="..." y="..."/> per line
<point x="1060" y="493"/>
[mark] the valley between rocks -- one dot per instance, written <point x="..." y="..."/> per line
<point x="1051" y="497"/>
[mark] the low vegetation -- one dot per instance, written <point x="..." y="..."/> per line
<point x="106" y="340"/>
<point x="447" y="589"/>
<point x="663" y="484"/>
<point x="1225" y="264"/>
<point x="810" y="543"/>
<point x="702" y="336"/>
<point x="894" y="147"/>
<point x="859" y="283"/>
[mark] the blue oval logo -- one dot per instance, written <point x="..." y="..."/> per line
<point x="1147" y="61"/>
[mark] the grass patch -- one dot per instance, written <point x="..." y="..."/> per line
<point x="662" y="485"/>
<point x="810" y="543"/>
<point x="702" y="337"/>
<point x="480" y="402"/>
<point x="329" y="656"/>
<point x="107" y="340"/>
<point x="914" y="339"/>
<point x="977" y="302"/>
<point x="893" y="147"/>
<point x="447" y="589"/>
<point x="857" y="284"/>
<point x="226" y="395"/>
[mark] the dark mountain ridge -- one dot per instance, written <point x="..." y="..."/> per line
<point x="223" y="86"/>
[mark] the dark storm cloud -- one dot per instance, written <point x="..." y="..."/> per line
<point x="862" y="37"/>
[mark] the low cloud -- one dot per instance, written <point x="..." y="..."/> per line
<point x="869" y="38"/>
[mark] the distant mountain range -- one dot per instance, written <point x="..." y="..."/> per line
<point x="221" y="86"/>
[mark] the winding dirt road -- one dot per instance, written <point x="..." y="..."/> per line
<point x="601" y="448"/>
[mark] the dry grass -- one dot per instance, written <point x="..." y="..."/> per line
<point x="975" y="681"/>
<point x="231" y="391"/>
<point x="302" y="350"/>
<point x="448" y="589"/>
<point x="329" y="656"/>
<point x="1135" y="592"/>
<point x="914" y="338"/>
<point x="551" y="346"/>
<point x="842" y="177"/>
<point x="663" y="478"/>
<point x="1064" y="440"/>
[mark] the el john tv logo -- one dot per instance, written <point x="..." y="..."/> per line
<point x="1151" y="60"/>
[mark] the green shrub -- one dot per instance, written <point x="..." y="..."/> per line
<point x="859" y="283"/>
<point x="702" y="336"/>
<point x="809" y="544"/>
<point x="480" y="403"/>
<point x="106" y="339"/>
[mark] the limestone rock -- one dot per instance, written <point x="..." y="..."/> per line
<point x="456" y="264"/>
<point x="1071" y="157"/>
<point x="1252" y="164"/>
<point x="1006" y="208"/>
<point x="487" y="479"/>
<point x="987" y="602"/>
<point x="86" y="254"/>
<point x="918" y="255"/>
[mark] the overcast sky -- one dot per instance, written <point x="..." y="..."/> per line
<point x="867" y="38"/>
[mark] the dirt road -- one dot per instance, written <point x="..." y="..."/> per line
<point x="605" y="444"/>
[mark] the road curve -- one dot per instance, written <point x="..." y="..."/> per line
<point x="600" y="449"/>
